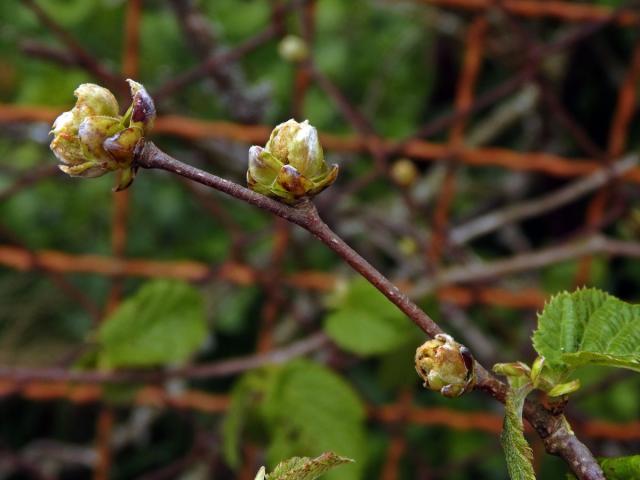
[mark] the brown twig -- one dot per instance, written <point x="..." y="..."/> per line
<point x="83" y="57"/>
<point x="552" y="429"/>
<point x="477" y="271"/>
<point x="496" y="219"/>
<point x="228" y="79"/>
<point x="218" y="369"/>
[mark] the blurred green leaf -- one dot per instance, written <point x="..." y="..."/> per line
<point x="232" y="309"/>
<point x="314" y="410"/>
<point x="588" y="327"/>
<point x="304" y="408"/>
<point x="163" y="323"/>
<point x="366" y="322"/>
<point x="246" y="397"/>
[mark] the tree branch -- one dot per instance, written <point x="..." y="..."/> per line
<point x="553" y="429"/>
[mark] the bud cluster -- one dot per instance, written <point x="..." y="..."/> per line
<point x="445" y="366"/>
<point x="291" y="166"/>
<point x="92" y="138"/>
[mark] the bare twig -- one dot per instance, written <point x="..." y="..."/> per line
<point x="242" y="103"/>
<point x="222" y="368"/>
<point x="553" y="429"/>
<point x="477" y="271"/>
<point x="494" y="220"/>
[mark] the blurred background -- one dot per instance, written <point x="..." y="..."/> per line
<point x="487" y="160"/>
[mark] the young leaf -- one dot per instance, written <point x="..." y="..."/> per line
<point x="305" y="468"/>
<point x="162" y="323"/>
<point x="365" y="322"/>
<point x="517" y="451"/>
<point x="588" y="327"/>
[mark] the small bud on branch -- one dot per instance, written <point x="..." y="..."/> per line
<point x="93" y="139"/>
<point x="445" y="366"/>
<point x="291" y="166"/>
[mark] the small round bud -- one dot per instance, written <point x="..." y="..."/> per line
<point x="92" y="138"/>
<point x="404" y="172"/>
<point x="293" y="49"/>
<point x="445" y="366"/>
<point x="407" y="246"/>
<point x="291" y="166"/>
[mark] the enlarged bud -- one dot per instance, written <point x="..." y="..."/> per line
<point x="293" y="49"/>
<point x="262" y="474"/>
<point x="404" y="172"/>
<point x="92" y="138"/>
<point x="445" y="366"/>
<point x="291" y="166"/>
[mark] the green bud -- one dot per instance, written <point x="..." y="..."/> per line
<point x="536" y="370"/>
<point x="293" y="49"/>
<point x="564" y="388"/>
<point x="95" y="100"/>
<point x="514" y="369"/>
<point x="404" y="172"/>
<point x="92" y="138"/>
<point x="291" y="166"/>
<point x="445" y="366"/>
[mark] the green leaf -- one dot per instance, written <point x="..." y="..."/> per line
<point x="246" y="396"/>
<point x="517" y="451"/>
<point x="365" y="322"/>
<point x="163" y="323"/>
<point x="620" y="468"/>
<point x="305" y="468"/>
<point x="588" y="327"/>
<point x="312" y="410"/>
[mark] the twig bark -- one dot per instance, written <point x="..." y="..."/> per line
<point x="492" y="221"/>
<point x="553" y="429"/>
<point x="216" y="369"/>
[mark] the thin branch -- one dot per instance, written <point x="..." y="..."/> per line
<point x="222" y="368"/>
<point x="477" y="271"/>
<point x="243" y="102"/>
<point x="494" y="220"/>
<point x="304" y="215"/>
<point x="553" y="429"/>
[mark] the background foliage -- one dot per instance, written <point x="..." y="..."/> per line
<point x="399" y="64"/>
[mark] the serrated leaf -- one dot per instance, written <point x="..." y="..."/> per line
<point x="312" y="410"/>
<point x="517" y="451"/>
<point x="366" y="322"/>
<point x="588" y="327"/>
<point x="305" y="468"/>
<point x="163" y="323"/>
<point x="619" y="468"/>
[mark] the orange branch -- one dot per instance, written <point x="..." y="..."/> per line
<point x="564" y="11"/>
<point x="214" y="403"/>
<point x="240" y="274"/>
<point x="193" y="129"/>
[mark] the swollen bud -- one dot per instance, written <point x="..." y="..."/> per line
<point x="293" y="49"/>
<point x="445" y="366"/>
<point x="92" y="138"/>
<point x="404" y="172"/>
<point x="291" y="166"/>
